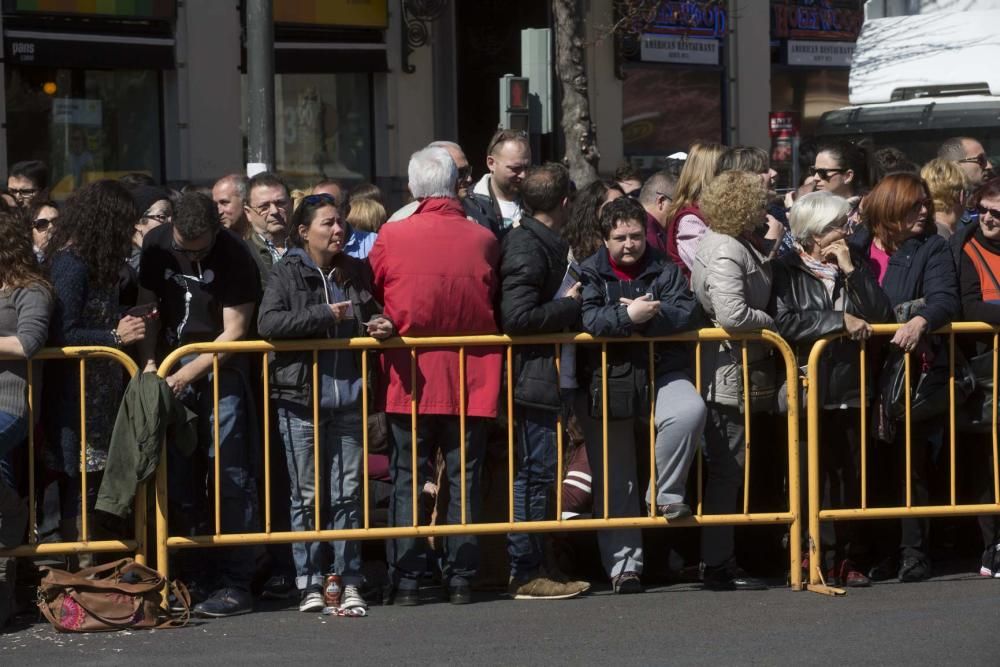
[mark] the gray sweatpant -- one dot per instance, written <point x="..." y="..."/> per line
<point x="680" y="419"/>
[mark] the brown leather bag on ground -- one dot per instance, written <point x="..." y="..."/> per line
<point x="115" y="596"/>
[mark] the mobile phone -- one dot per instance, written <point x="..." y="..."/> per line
<point x="349" y="308"/>
<point x="145" y="311"/>
<point x="573" y="273"/>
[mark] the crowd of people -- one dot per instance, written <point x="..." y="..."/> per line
<point x="705" y="242"/>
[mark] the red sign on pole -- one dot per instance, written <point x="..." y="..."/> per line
<point x="783" y="123"/>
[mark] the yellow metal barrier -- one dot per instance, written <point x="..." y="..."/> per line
<point x="136" y="546"/>
<point x="166" y="542"/>
<point x="818" y="514"/>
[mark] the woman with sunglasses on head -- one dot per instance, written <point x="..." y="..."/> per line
<point x="41" y="215"/>
<point x="824" y="287"/>
<point x="84" y="257"/>
<point x="841" y="168"/>
<point x="915" y="268"/>
<point x="977" y="249"/>
<point x="318" y="291"/>
<point x="25" y="308"/>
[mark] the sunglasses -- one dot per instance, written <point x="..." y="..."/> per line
<point x="321" y="198"/>
<point x="980" y="159"/>
<point x="41" y="224"/>
<point x="982" y="210"/>
<point x="502" y="136"/>
<point x="824" y="174"/>
<point x="927" y="203"/>
<point x="22" y="192"/>
<point x="159" y="217"/>
<point x="194" y="255"/>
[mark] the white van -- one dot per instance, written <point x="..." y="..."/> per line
<point x="918" y="80"/>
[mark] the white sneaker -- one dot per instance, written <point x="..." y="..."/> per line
<point x="312" y="600"/>
<point x="351" y="598"/>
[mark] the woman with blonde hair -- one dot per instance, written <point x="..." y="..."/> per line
<point x="947" y="183"/>
<point x="685" y="222"/>
<point x="366" y="214"/>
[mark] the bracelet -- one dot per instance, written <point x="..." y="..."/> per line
<point x="117" y="339"/>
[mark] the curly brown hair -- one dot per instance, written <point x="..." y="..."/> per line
<point x="734" y="202"/>
<point x="18" y="266"/>
<point x="97" y="224"/>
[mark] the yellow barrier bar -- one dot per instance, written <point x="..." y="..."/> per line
<point x="812" y="428"/>
<point x="413" y="432"/>
<point x="747" y="409"/>
<point x="951" y="409"/>
<point x="863" y="356"/>
<point x="653" y="490"/>
<point x="84" y="527"/>
<point x="461" y="428"/>
<point x="439" y="530"/>
<point x="559" y="437"/>
<point x="32" y="516"/>
<point x="215" y="435"/>
<point x="909" y="473"/>
<point x="63" y="548"/>
<point x="317" y="490"/>
<point x="604" y="424"/>
<point x="700" y="451"/>
<point x="266" y="379"/>
<point x="364" y="430"/>
<point x="923" y="511"/>
<point x="510" y="433"/>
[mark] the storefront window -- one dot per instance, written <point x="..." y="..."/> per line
<point x="665" y="109"/>
<point x="85" y="124"/>
<point x="322" y="127"/>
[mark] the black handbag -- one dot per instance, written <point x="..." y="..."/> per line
<point x="928" y="387"/>
<point x="625" y="393"/>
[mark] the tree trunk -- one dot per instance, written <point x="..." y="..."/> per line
<point x="582" y="155"/>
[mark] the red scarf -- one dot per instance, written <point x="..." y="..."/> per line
<point x="630" y="272"/>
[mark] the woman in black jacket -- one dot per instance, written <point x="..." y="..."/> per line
<point x="915" y="268"/>
<point x="824" y="288"/>
<point x="318" y="291"/>
<point x="629" y="289"/>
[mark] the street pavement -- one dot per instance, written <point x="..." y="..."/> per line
<point x="946" y="621"/>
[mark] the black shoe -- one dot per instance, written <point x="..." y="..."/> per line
<point x="225" y="602"/>
<point x="279" y="587"/>
<point x="626" y="583"/>
<point x="196" y="592"/>
<point x="406" y="597"/>
<point x="730" y="577"/>
<point x="883" y="570"/>
<point x="914" y="568"/>
<point x="460" y="593"/>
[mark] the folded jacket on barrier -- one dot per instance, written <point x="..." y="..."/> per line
<point x="147" y="411"/>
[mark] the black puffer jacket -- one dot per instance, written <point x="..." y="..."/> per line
<point x="604" y="315"/>
<point x="804" y="313"/>
<point x="532" y="267"/>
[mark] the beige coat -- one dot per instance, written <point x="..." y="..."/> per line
<point x="733" y="283"/>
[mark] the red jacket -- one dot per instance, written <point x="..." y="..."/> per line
<point x="436" y="273"/>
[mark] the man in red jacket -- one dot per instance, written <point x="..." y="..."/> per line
<point x="436" y="273"/>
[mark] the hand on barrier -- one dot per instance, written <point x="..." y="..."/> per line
<point x="642" y="309"/>
<point x="908" y="335"/>
<point x="856" y="327"/>
<point x="380" y="327"/>
<point x="178" y="382"/>
<point x="131" y="329"/>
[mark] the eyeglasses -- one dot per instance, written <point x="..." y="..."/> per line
<point x="634" y="194"/>
<point x="664" y="195"/>
<point x="980" y="159"/>
<point x="927" y="203"/>
<point x="321" y="198"/>
<point x="824" y="174"/>
<point x="21" y="193"/>
<point x="159" y="217"/>
<point x="465" y="174"/>
<point x="265" y="208"/>
<point x="503" y="135"/>
<point x="982" y="210"/>
<point x="41" y="224"/>
<point x="194" y="254"/>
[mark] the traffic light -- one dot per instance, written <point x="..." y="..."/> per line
<point x="515" y="103"/>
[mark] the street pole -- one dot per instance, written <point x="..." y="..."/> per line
<point x="260" y="86"/>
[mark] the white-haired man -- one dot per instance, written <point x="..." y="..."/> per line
<point x="437" y="275"/>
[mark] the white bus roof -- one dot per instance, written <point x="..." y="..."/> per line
<point x="927" y="51"/>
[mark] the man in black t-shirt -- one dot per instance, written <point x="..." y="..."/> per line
<point x="206" y="285"/>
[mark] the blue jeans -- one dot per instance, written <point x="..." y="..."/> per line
<point x="191" y="491"/>
<point x="536" y="473"/>
<point x="13" y="508"/>
<point x="341" y="468"/>
<point x="461" y="552"/>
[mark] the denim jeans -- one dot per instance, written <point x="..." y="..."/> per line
<point x="341" y="468"/>
<point x="191" y="489"/>
<point x="13" y="508"/>
<point x="461" y="552"/>
<point x="536" y="473"/>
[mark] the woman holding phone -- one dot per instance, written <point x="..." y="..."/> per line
<point x="318" y="291"/>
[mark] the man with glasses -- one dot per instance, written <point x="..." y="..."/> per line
<point x="971" y="158"/>
<point x="656" y="196"/>
<point x="26" y="179"/>
<point x="268" y="208"/>
<point x="508" y="156"/>
<point x="205" y="283"/>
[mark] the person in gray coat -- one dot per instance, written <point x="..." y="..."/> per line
<point x="630" y="288"/>
<point x="732" y="279"/>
